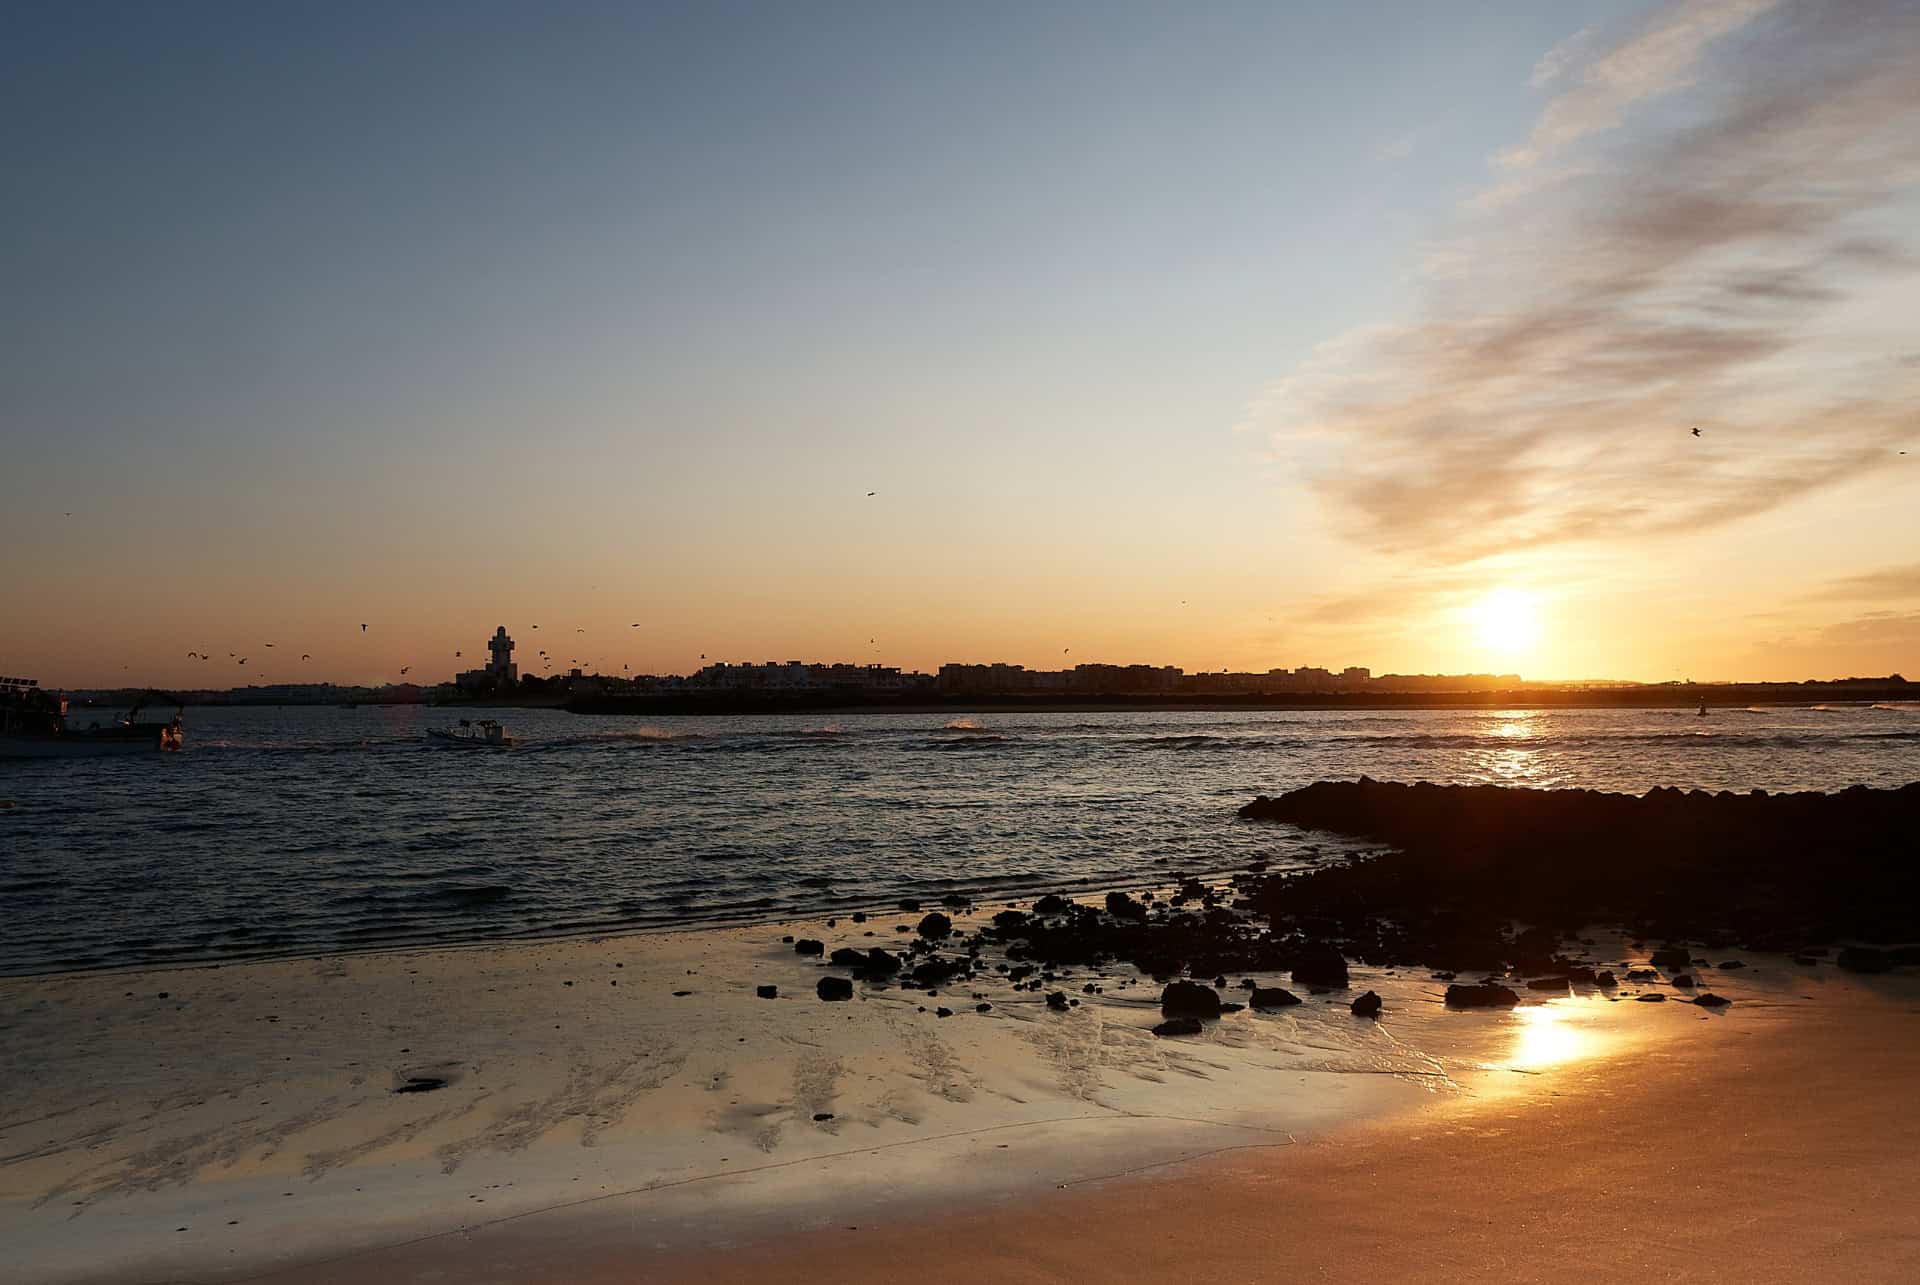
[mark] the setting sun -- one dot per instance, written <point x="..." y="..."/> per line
<point x="1507" y="620"/>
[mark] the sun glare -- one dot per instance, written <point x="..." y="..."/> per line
<point x="1507" y="620"/>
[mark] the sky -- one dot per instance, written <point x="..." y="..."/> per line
<point x="1225" y="335"/>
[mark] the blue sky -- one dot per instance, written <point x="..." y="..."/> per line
<point x="447" y="312"/>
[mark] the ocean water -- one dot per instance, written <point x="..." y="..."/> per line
<point x="301" y="830"/>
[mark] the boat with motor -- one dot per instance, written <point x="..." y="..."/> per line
<point x="474" y="734"/>
<point x="34" y="724"/>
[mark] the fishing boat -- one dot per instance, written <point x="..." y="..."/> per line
<point x="476" y="734"/>
<point x="33" y="724"/>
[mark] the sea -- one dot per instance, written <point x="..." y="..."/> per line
<point x="308" y="830"/>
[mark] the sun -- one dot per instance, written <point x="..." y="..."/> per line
<point x="1507" y="620"/>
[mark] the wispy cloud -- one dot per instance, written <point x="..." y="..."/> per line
<point x="1743" y="182"/>
<point x="1889" y="584"/>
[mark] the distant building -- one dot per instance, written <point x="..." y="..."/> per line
<point x="1126" y="678"/>
<point x="799" y="676"/>
<point x="499" y="673"/>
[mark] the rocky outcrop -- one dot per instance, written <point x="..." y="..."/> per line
<point x="1772" y="871"/>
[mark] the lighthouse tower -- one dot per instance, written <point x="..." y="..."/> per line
<point x="501" y="668"/>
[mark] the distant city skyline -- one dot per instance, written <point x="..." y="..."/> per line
<point x="1573" y="340"/>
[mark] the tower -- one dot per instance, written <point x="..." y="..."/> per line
<point x="501" y="667"/>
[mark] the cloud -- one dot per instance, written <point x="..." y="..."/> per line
<point x="1554" y="63"/>
<point x="1693" y="268"/>
<point x="1889" y="584"/>
<point x="1657" y="59"/>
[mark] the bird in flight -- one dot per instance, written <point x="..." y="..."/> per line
<point x="243" y="660"/>
<point x="636" y="624"/>
<point x="579" y="631"/>
<point x="871" y="494"/>
<point x="405" y="668"/>
<point x="1696" y="432"/>
<point x="363" y="629"/>
<point x="306" y="656"/>
<point x="269" y="644"/>
<point x="456" y="655"/>
<point x="193" y="655"/>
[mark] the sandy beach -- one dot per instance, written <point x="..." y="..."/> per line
<point x="630" y="1108"/>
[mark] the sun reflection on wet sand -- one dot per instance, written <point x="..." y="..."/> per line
<point x="1553" y="1034"/>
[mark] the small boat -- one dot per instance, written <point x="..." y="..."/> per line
<point x="1703" y="710"/>
<point x="33" y="724"/>
<point x="479" y="734"/>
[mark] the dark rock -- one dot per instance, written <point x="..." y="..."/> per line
<point x="820" y="1117"/>
<point x="808" y="946"/>
<point x="1486" y="995"/>
<point x="848" y="957"/>
<point x="1368" y="1005"/>
<point x="831" y="988"/>
<point x="1010" y="920"/>
<point x="859" y="916"/>
<point x="1052" y="904"/>
<point x="943" y="1012"/>
<point x="1121" y="906"/>
<point x="1178" y="1026"/>
<point x="1671" y="958"/>
<point x="1605" y="977"/>
<point x="1057" y="1000"/>
<point x="767" y="992"/>
<point x="676" y="994"/>
<point x="1273" y="997"/>
<point x="1729" y="965"/>
<point x="1684" y="980"/>
<point x="1652" y="997"/>
<point x="936" y="926"/>
<point x="1707" y="999"/>
<point x="955" y="901"/>
<point x="1642" y="975"/>
<point x="909" y="905"/>
<point x="420" y="1084"/>
<point x="788" y="939"/>
<point x="983" y="1008"/>
<point x="1548" y="984"/>
<point x="1189" y="999"/>
<point x="1224" y="1008"/>
<point x="1864" y="959"/>
<point x="1319" y="963"/>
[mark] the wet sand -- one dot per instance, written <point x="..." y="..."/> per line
<point x="583" y="1121"/>
<point x="1780" y="1146"/>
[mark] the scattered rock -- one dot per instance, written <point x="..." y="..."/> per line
<point x="1605" y="977"/>
<point x="808" y="946"/>
<point x="1178" y="1026"/>
<point x="1727" y="966"/>
<point x="1057" y="1000"/>
<point x="983" y="1008"/>
<point x="767" y="992"/>
<point x="936" y="926"/>
<point x="1368" y="1005"/>
<point x="1273" y="997"/>
<point x="1684" y="980"/>
<point x="1052" y="904"/>
<point x="831" y="988"/>
<point x="1318" y="963"/>
<point x="1707" y="999"/>
<point x="821" y="1117"/>
<point x="1671" y="958"/>
<point x="1485" y="995"/>
<point x="1121" y="906"/>
<point x="1652" y="997"/>
<point x="1864" y="959"/>
<point x="1549" y="984"/>
<point x="943" y="1012"/>
<point x="1189" y="999"/>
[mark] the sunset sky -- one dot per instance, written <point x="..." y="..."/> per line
<point x="1225" y="335"/>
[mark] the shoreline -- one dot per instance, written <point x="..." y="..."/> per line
<point x="256" y="1107"/>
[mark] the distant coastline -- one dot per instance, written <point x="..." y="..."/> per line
<point x="1674" y="696"/>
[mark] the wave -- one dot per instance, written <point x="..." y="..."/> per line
<point x="963" y="725"/>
